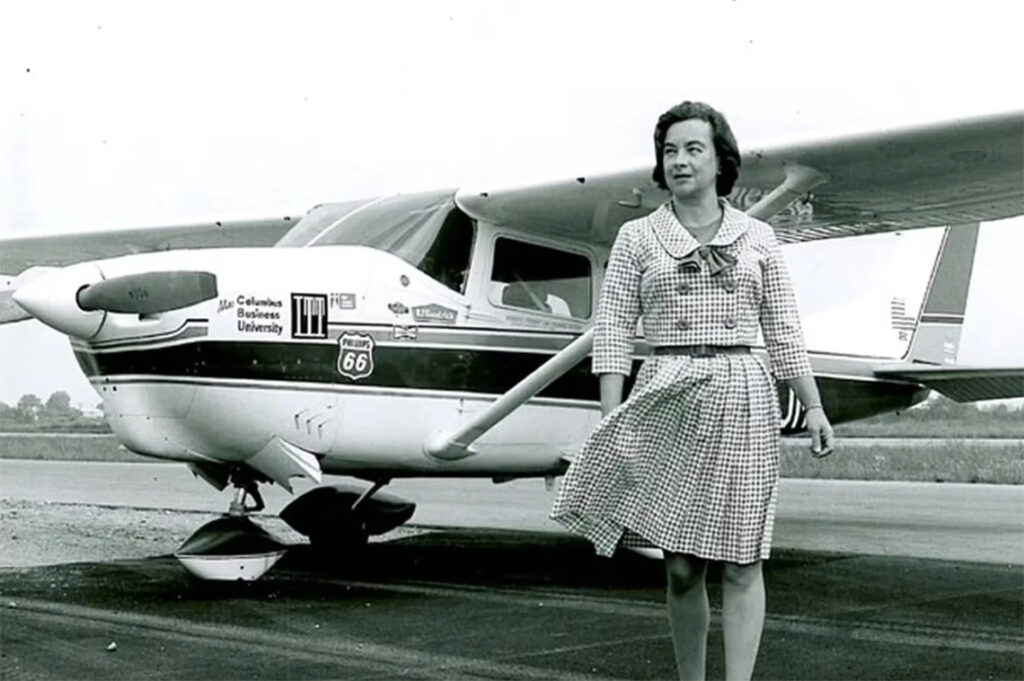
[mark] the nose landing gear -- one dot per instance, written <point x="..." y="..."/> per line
<point x="245" y="486"/>
<point x="232" y="547"/>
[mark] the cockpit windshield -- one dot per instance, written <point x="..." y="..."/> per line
<point x="426" y="230"/>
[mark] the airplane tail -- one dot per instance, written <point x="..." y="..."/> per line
<point x="936" y="335"/>
<point x="931" y="356"/>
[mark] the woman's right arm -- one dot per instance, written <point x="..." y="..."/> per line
<point x="615" y="324"/>
<point x="611" y="392"/>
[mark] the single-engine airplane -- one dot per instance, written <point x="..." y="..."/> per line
<point x="445" y="333"/>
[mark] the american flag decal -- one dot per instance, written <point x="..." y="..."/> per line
<point x="900" y="321"/>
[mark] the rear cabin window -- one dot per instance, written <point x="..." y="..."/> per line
<point x="540" y="279"/>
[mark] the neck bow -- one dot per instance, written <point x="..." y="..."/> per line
<point x="716" y="257"/>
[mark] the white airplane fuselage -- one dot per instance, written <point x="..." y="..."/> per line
<point x="343" y="351"/>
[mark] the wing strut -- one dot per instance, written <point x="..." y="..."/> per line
<point x="455" y="444"/>
<point x="799" y="180"/>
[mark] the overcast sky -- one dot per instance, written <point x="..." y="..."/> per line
<point x="119" y="115"/>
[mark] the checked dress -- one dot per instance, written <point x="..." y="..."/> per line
<point x="689" y="462"/>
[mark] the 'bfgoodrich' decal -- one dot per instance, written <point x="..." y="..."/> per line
<point x="434" y="314"/>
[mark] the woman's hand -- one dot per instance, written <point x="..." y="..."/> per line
<point x="822" y="437"/>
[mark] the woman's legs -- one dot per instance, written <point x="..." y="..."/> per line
<point x="688" y="612"/>
<point x="742" y="617"/>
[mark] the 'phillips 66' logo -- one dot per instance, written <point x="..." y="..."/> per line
<point x="355" y="355"/>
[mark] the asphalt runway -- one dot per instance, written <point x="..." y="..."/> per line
<point x="967" y="522"/>
<point x="467" y="599"/>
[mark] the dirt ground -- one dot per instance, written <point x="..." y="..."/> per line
<point x="34" y="533"/>
<point x="40" y="533"/>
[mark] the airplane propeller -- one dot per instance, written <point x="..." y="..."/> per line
<point x="148" y="292"/>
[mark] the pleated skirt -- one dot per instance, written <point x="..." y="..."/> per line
<point x="688" y="463"/>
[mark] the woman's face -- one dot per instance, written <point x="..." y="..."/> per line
<point x="689" y="158"/>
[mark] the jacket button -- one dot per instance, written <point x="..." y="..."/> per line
<point x="684" y="287"/>
<point x="729" y="286"/>
<point x="682" y="325"/>
<point x="729" y="322"/>
<point x="687" y="267"/>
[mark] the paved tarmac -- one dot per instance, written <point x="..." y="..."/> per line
<point x="474" y="602"/>
<point x="969" y="522"/>
<point x="490" y="604"/>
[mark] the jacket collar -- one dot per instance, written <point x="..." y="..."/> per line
<point x="678" y="242"/>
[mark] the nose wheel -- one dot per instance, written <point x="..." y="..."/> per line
<point x="233" y="547"/>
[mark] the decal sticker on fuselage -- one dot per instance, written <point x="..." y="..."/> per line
<point x="949" y="351"/>
<point x="309" y="315"/>
<point x="405" y="332"/>
<point x="256" y="315"/>
<point x="434" y="314"/>
<point x="545" y="323"/>
<point x="355" y="355"/>
<point x="343" y="301"/>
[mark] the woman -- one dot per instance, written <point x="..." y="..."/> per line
<point x="689" y="462"/>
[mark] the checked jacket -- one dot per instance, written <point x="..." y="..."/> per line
<point x="654" y="276"/>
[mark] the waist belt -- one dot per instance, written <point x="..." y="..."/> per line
<point x="702" y="350"/>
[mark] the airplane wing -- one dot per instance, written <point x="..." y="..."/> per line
<point x="961" y="383"/>
<point x="17" y="255"/>
<point x="945" y="173"/>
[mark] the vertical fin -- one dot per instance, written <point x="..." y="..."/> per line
<point x="936" y="338"/>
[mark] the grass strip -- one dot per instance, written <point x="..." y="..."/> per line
<point x="957" y="460"/>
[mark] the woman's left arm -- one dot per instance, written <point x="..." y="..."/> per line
<point x="822" y="436"/>
<point x="784" y="339"/>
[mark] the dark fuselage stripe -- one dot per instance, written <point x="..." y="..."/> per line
<point x="357" y="390"/>
<point x="488" y="371"/>
<point x="429" y="369"/>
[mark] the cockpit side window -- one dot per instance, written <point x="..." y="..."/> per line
<point x="426" y="230"/>
<point x="541" y="279"/>
<point x="447" y="260"/>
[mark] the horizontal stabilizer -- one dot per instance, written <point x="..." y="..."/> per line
<point x="961" y="383"/>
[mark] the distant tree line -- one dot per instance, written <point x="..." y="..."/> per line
<point x="56" y="414"/>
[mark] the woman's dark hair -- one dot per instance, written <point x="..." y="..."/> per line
<point x="721" y="135"/>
